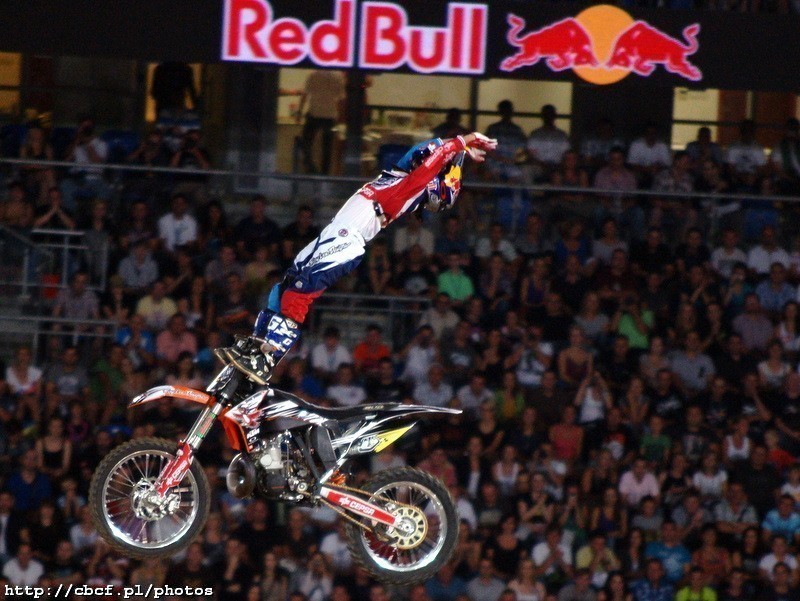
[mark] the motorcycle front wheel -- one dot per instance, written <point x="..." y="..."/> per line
<point x="431" y="526"/>
<point x="130" y="516"/>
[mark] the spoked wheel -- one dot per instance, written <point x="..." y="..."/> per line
<point x="426" y="536"/>
<point x="131" y="516"/>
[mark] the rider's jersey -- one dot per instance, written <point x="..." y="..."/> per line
<point x="397" y="192"/>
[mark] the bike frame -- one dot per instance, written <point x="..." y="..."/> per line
<point x="234" y="423"/>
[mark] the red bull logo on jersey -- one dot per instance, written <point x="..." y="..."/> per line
<point x="602" y="44"/>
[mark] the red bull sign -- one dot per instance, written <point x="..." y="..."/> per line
<point x="602" y="44"/>
<point x="387" y="39"/>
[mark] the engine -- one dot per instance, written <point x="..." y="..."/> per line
<point x="276" y="470"/>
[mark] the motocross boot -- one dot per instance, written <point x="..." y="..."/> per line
<point x="256" y="357"/>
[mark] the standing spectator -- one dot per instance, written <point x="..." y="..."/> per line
<point x="323" y="94"/>
<point x="38" y="180"/>
<point x="172" y="83"/>
<point x="785" y="158"/>
<point x="87" y="152"/>
<point x="451" y="126"/>
<point x="702" y="149"/>
<point x="502" y="165"/>
<point x="547" y="144"/>
<point x="178" y="227"/>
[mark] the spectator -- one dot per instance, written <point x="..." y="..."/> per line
<point x="596" y="147"/>
<point x="553" y="559"/>
<point x="298" y="233"/>
<point x="17" y="212"/>
<point x="785" y="157"/>
<point x="440" y="317"/>
<point x="53" y="216"/>
<point x="256" y="230"/>
<point x="218" y="270"/>
<point x="533" y="241"/>
<point x="451" y="240"/>
<point x="726" y="256"/>
<point x="580" y="589"/>
<point x="368" y="353"/>
<point x="450" y="127"/>
<point x="324" y="94"/>
<point x="597" y="558"/>
<point x="28" y="485"/>
<point x="746" y="155"/>
<point x="156" y="308"/>
<point x="413" y="233"/>
<point x="637" y="483"/>
<point x="138" y="270"/>
<point x="178" y="227"/>
<point x="38" y="180"/>
<point x="696" y="588"/>
<point x="23" y="569"/>
<point x="66" y="381"/>
<point x="191" y="156"/>
<point x="547" y="144"/>
<point x="503" y="164"/>
<point x="77" y="302"/>
<point x="87" y="151"/>
<point x="775" y="291"/>
<point x="780" y="553"/>
<point x="495" y="243"/>
<point x="762" y="256"/>
<point x="693" y="369"/>
<point x="175" y="340"/>
<point x="653" y="587"/>
<point x="330" y="354"/>
<point x="434" y="391"/>
<point x="671" y="553"/>
<point x="754" y="328"/>
<point x="344" y="389"/>
<point x="648" y="155"/>
<point x="703" y="149"/>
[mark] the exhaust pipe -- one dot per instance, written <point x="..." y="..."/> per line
<point x="241" y="477"/>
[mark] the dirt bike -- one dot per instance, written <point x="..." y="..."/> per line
<point x="150" y="498"/>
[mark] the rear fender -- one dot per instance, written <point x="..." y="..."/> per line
<point x="173" y="392"/>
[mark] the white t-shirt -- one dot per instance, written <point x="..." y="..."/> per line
<point x="470" y="401"/>
<point x="19" y="577"/>
<point x="177" y="232"/>
<point x="643" y="155"/>
<point x="33" y="376"/>
<point x="759" y="259"/>
<point x="710" y="486"/>
<point x="335" y="548"/>
<point x="329" y="361"/>
<point x="82" y="158"/>
<point x="346" y="396"/>
<point x="746" y="158"/>
<point x="425" y="394"/>
<point x="541" y="552"/>
<point x="483" y="250"/>
<point x="723" y="261"/>
<point x="325" y="89"/>
<point x="769" y="561"/>
<point x="418" y="363"/>
<point x="548" y="145"/>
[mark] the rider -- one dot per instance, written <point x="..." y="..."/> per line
<point x="428" y="175"/>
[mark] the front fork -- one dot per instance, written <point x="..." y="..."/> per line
<point x="176" y="469"/>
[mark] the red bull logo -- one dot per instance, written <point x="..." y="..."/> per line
<point x="602" y="44"/>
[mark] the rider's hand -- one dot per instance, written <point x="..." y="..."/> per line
<point x="478" y="141"/>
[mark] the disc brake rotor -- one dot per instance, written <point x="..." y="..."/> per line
<point x="412" y="529"/>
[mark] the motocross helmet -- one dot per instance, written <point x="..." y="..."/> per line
<point x="442" y="191"/>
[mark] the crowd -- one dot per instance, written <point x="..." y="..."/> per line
<point x="627" y="371"/>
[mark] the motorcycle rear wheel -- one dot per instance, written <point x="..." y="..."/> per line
<point x="118" y="508"/>
<point x="406" y="560"/>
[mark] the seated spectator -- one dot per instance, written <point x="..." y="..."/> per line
<point x="774" y="292"/>
<point x="762" y="256"/>
<point x="344" y="389"/>
<point x="534" y="287"/>
<point x="596" y="146"/>
<point x="77" y="303"/>
<point x="451" y="240"/>
<point x="597" y="558"/>
<point x="256" y="230"/>
<point x="533" y="241"/>
<point x="138" y="270"/>
<point x="419" y="354"/>
<point x="580" y="589"/>
<point x="156" y="308"/>
<point x="138" y="226"/>
<point x="553" y="559"/>
<point x="138" y="342"/>
<point x="780" y="553"/>
<point x="615" y="282"/>
<point x="495" y="242"/>
<point x="175" y="340"/>
<point x="415" y="277"/>
<point x="728" y="254"/>
<point x="22" y="569"/>
<point x="609" y="242"/>
<point x="654" y="586"/>
<point x="703" y="149"/>
<point x="780" y="586"/>
<point x="178" y="227"/>
<point x="693" y="369"/>
<point x="653" y="255"/>
<point x="509" y="399"/>
<point x="330" y="354"/>
<point x="414" y="234"/>
<point x="773" y="369"/>
<point x="678" y="178"/>
<point x="217" y="270"/>
<point x="191" y="155"/>
<point x="672" y="554"/>
<point x="692" y="252"/>
<point x="28" y="485"/>
<point x="66" y="381"/>
<point x="439" y="465"/>
<point x="458" y="355"/>
<point x="566" y="436"/>
<point x="785" y="157"/>
<point x="696" y="588"/>
<point x="473" y="395"/>
<point x="440" y="317"/>
<point x="87" y="152"/>
<point x="754" y="328"/>
<point x="783" y="521"/>
<point x="433" y="391"/>
<point x="37" y="179"/>
<point x="53" y="216"/>
<point x="637" y="483"/>
<point x="17" y="211"/>
<point x="234" y="308"/>
<point x="369" y="352"/>
<point x="746" y="155"/>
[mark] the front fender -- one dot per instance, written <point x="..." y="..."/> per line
<point x="174" y="392"/>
